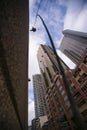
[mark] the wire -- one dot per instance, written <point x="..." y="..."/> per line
<point x="37" y="11"/>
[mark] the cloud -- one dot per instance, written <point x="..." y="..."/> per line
<point x="57" y="43"/>
<point x="30" y="93"/>
<point x="81" y="22"/>
<point x="31" y="3"/>
<point x="30" y="101"/>
<point x="35" y="40"/>
<point x="75" y="17"/>
<point x="31" y="112"/>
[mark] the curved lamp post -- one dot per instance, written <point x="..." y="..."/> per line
<point x="75" y="112"/>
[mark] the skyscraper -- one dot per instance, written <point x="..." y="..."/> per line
<point x="56" y="97"/>
<point x="60" y="114"/>
<point x="39" y="96"/>
<point x="14" y="65"/>
<point x="74" y="45"/>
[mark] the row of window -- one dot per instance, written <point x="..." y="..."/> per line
<point x="77" y="72"/>
<point x="46" y="81"/>
<point x="84" y="87"/>
<point x="76" y="95"/>
<point x="85" y="60"/>
<point x="84" y="113"/>
<point x="82" y="102"/>
<point x="82" y="78"/>
<point x="48" y="72"/>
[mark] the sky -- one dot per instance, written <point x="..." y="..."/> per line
<point x="58" y="16"/>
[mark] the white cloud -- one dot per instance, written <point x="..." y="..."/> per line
<point x="35" y="40"/>
<point x="31" y="112"/>
<point x="81" y="22"/>
<point x="76" y="17"/>
<point x="31" y="3"/>
<point x="58" y="42"/>
<point x="33" y="64"/>
<point x="30" y="100"/>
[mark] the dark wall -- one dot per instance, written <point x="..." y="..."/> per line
<point x="14" y="20"/>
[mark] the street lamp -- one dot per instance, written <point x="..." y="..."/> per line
<point x="75" y="112"/>
<point x="33" y="29"/>
<point x="29" y="80"/>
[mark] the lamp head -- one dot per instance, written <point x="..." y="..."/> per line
<point x="33" y="29"/>
<point x="29" y="80"/>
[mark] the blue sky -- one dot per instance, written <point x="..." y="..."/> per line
<point x="58" y="16"/>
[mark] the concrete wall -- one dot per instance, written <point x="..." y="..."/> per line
<point x="13" y="64"/>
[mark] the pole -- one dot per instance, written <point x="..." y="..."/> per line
<point x="75" y="112"/>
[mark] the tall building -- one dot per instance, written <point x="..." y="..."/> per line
<point x="78" y="81"/>
<point x="60" y="115"/>
<point x="29" y="127"/>
<point x="14" y="64"/>
<point x="36" y="124"/>
<point x="56" y="97"/>
<point x="40" y="123"/>
<point x="39" y="96"/>
<point x="74" y="44"/>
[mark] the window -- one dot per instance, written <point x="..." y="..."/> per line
<point x="55" y="68"/>
<point x="58" y="83"/>
<point x="84" y="87"/>
<point x="60" y="88"/>
<point x="48" y="72"/>
<point x="82" y="78"/>
<point x="84" y="75"/>
<point x="77" y="72"/>
<point x="73" y="89"/>
<point x="85" y="60"/>
<point x="84" y="113"/>
<point x="68" y="104"/>
<point x="65" y="98"/>
<point x="46" y="82"/>
<point x="60" y="109"/>
<point x="77" y="95"/>
<point x="63" y="92"/>
<point x="82" y="102"/>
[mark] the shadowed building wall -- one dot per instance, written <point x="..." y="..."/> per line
<point x="13" y="64"/>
